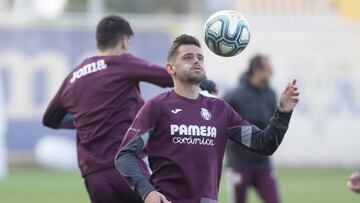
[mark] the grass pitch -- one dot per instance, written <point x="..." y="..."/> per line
<point x="296" y="186"/>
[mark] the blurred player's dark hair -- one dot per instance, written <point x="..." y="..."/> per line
<point x="256" y="63"/>
<point x="183" y="39"/>
<point x="110" y="30"/>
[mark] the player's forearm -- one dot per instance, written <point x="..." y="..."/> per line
<point x="66" y="125"/>
<point x="262" y="141"/>
<point x="159" y="76"/>
<point x="53" y="118"/>
<point x="126" y="163"/>
<point x="55" y="113"/>
<point x="58" y="120"/>
<point x="67" y="122"/>
<point x="268" y="140"/>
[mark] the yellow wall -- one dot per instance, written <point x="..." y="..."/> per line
<point x="349" y="8"/>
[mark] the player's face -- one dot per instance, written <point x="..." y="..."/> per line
<point x="188" y="64"/>
<point x="264" y="74"/>
<point x="267" y="70"/>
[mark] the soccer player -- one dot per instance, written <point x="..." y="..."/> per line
<point x="354" y="182"/>
<point x="102" y="95"/>
<point x="255" y="101"/>
<point x="184" y="134"/>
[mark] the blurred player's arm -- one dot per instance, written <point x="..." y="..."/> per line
<point x="158" y="75"/>
<point x="67" y="122"/>
<point x="144" y="71"/>
<point x="56" y="116"/>
<point x="268" y="140"/>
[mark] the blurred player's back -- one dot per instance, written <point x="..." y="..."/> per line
<point x="102" y="95"/>
<point x="103" y="101"/>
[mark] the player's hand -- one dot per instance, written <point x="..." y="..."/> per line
<point x="156" y="197"/>
<point x="354" y="182"/>
<point x="288" y="98"/>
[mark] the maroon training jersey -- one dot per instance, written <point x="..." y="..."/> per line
<point x="185" y="140"/>
<point x="102" y="94"/>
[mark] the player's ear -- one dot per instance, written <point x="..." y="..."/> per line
<point x="170" y="68"/>
<point x="124" y="42"/>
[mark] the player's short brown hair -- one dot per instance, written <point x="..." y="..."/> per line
<point x="110" y="30"/>
<point x="183" y="39"/>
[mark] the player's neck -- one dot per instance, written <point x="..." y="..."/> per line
<point x="190" y="91"/>
<point x="113" y="52"/>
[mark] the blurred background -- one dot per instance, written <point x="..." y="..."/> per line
<point x="315" y="41"/>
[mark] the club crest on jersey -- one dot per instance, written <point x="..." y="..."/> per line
<point x="205" y="114"/>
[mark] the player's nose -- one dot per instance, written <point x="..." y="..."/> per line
<point x="196" y="60"/>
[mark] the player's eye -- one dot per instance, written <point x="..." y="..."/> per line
<point x="188" y="57"/>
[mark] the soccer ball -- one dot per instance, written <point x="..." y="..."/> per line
<point x="226" y="33"/>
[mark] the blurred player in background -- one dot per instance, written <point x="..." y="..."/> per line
<point x="354" y="182"/>
<point x="209" y="88"/>
<point x="3" y="123"/>
<point x="184" y="134"/>
<point x="102" y="94"/>
<point x="255" y="101"/>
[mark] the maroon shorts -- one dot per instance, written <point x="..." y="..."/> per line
<point x="263" y="181"/>
<point x="108" y="186"/>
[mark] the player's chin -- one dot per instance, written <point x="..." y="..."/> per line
<point x="199" y="73"/>
<point x="195" y="79"/>
<point x="200" y="77"/>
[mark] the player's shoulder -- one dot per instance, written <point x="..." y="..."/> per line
<point x="115" y="59"/>
<point x="242" y="88"/>
<point x="87" y="66"/>
<point x="132" y="59"/>
<point x="213" y="100"/>
<point x="231" y="94"/>
<point x="84" y="62"/>
<point x="206" y="93"/>
<point x="159" y="99"/>
<point x="220" y="101"/>
<point x="239" y="93"/>
<point x="217" y="104"/>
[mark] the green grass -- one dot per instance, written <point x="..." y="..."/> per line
<point x="42" y="186"/>
<point x="296" y="186"/>
<point x="309" y="186"/>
